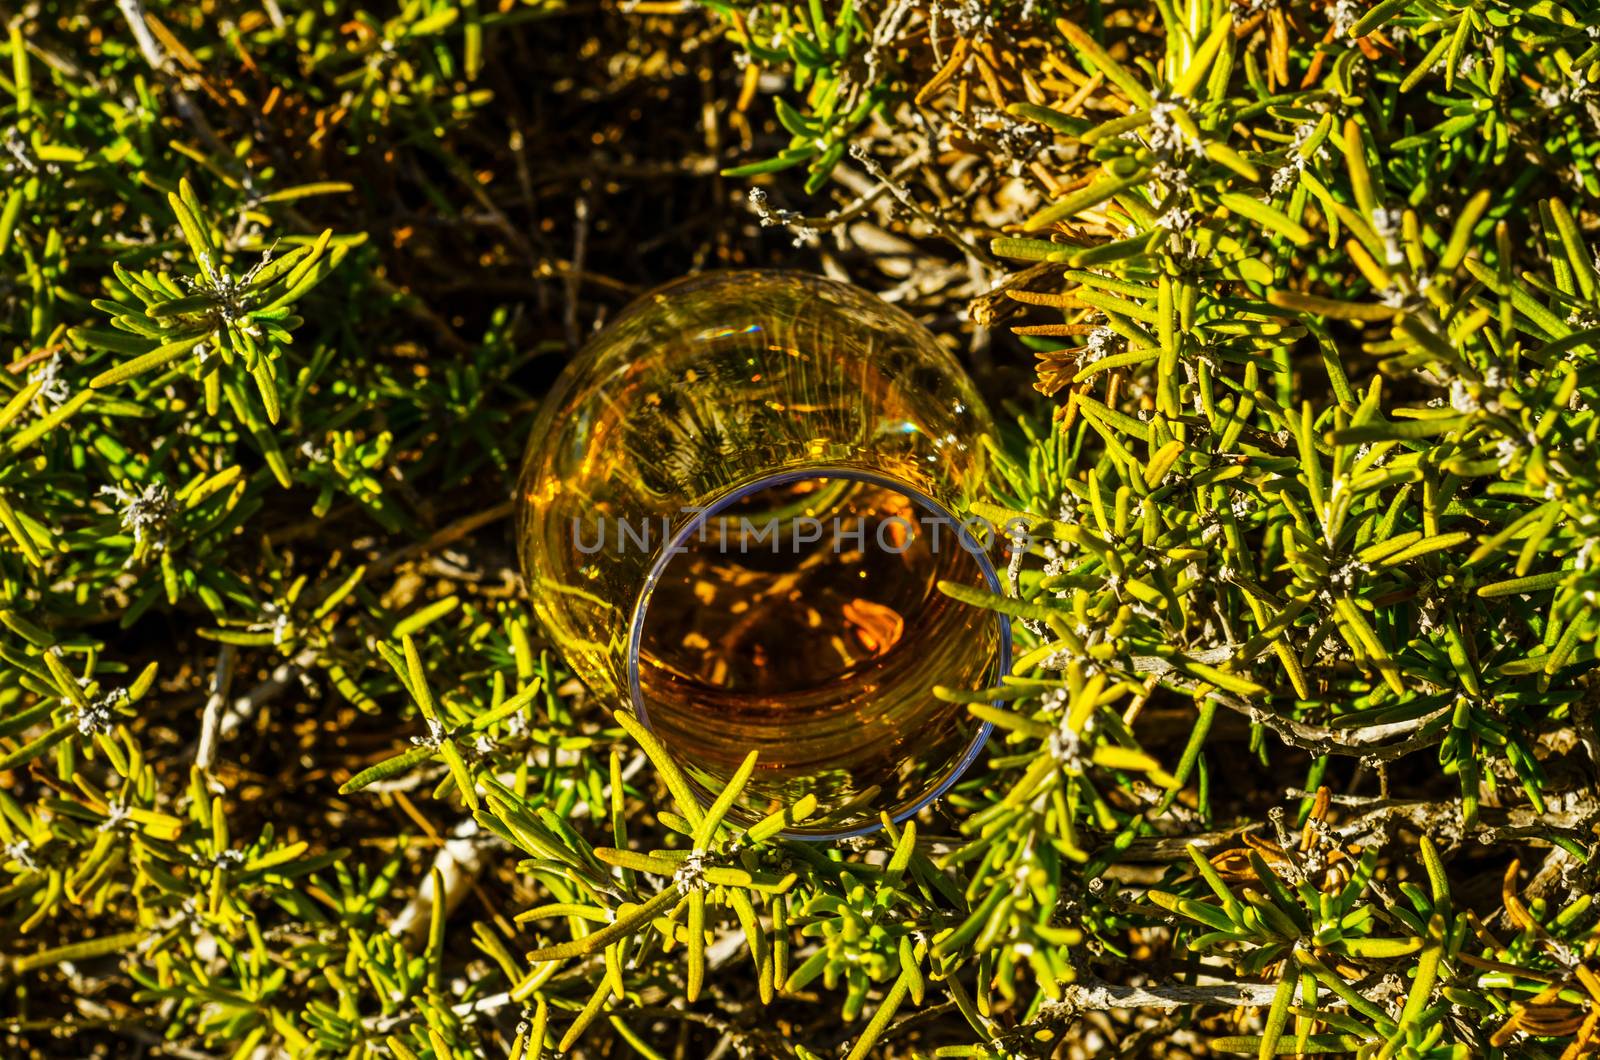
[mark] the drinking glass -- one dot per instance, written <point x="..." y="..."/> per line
<point x="733" y="515"/>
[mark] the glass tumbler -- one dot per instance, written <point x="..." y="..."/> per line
<point x="733" y="515"/>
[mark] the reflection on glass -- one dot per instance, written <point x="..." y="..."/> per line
<point x="734" y="512"/>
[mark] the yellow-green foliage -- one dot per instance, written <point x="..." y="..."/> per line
<point x="1299" y="755"/>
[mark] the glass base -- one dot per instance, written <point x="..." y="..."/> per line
<point x="799" y="615"/>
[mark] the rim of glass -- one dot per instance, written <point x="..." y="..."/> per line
<point x="669" y="551"/>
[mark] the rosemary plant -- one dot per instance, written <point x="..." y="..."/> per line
<point x="1299" y="755"/>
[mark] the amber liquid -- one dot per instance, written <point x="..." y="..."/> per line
<point x="775" y="393"/>
<point x="805" y="623"/>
